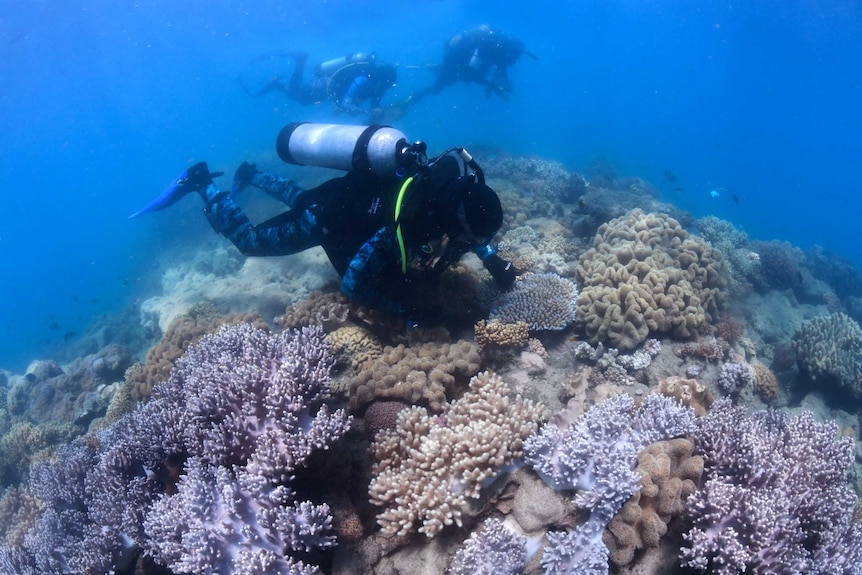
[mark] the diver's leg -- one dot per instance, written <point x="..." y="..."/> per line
<point x="288" y="233"/>
<point x="284" y="190"/>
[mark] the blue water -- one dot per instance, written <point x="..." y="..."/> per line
<point x="103" y="102"/>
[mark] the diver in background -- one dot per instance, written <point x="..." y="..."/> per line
<point x="356" y="83"/>
<point x="479" y="55"/>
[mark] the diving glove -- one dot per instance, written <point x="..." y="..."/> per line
<point x="501" y="270"/>
<point x="193" y="179"/>
<point x="242" y="178"/>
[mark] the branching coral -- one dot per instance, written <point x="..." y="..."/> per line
<point x="199" y="477"/>
<point x="544" y="301"/>
<point x="775" y="499"/>
<point x="428" y="467"/>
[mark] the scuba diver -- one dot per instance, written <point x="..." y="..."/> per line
<point x="394" y="221"/>
<point x="355" y="83"/>
<point x="479" y="55"/>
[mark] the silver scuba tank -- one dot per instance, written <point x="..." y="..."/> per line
<point x="331" y="66"/>
<point x="379" y="149"/>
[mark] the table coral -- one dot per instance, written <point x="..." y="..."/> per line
<point x="644" y="276"/>
<point x="428" y="467"/>
<point x="544" y="301"/>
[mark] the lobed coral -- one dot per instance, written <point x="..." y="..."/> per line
<point x="200" y="477"/>
<point x="354" y="346"/>
<point x="765" y="383"/>
<point x="645" y="276"/>
<point x="428" y="467"/>
<point x="775" y="499"/>
<point x="545" y="301"/>
<point x="669" y="472"/>
<point x="829" y="349"/>
<point x="689" y="392"/>
<point x="416" y="374"/>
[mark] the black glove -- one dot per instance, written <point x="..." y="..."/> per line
<point x="502" y="271"/>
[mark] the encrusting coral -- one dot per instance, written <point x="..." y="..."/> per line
<point x="427" y="467"/>
<point x="645" y="276"/>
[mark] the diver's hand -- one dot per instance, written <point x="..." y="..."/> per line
<point x="502" y="271"/>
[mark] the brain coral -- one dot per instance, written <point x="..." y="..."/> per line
<point x="829" y="348"/>
<point x="644" y="276"/>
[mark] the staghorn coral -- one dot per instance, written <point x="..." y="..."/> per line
<point x="775" y="497"/>
<point x="829" y="349"/>
<point x="181" y="333"/>
<point x="496" y="334"/>
<point x="669" y="472"/>
<point x="428" y="467"/>
<point x="545" y="301"/>
<point x="200" y="477"/>
<point x="645" y="276"/>
<point x="416" y="374"/>
<point x="495" y="550"/>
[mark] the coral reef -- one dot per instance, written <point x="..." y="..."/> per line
<point x="645" y="276"/>
<point x="495" y="334"/>
<point x="733" y="376"/>
<point x="199" y="477"/>
<point x="614" y="367"/>
<point x="689" y="392"/>
<point x="417" y="374"/>
<point x="181" y="333"/>
<point x="775" y="497"/>
<point x="354" y="346"/>
<point x="779" y="264"/>
<point x="544" y="301"/>
<point x="829" y="349"/>
<point x="428" y="467"/>
<point x="669" y="472"/>
<point x="596" y="457"/>
<point x="493" y="550"/>
<point x="765" y="383"/>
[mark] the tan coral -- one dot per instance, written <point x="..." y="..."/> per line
<point x="644" y="276"/>
<point x="419" y="374"/>
<point x="497" y="334"/>
<point x="354" y="346"/>
<point x="428" y="467"/>
<point x="669" y="472"/>
<point x="765" y="382"/>
<point x="690" y="392"/>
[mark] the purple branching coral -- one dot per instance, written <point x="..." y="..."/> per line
<point x="495" y="550"/>
<point x="734" y="376"/>
<point x="596" y="456"/>
<point x="776" y="498"/>
<point x="239" y="414"/>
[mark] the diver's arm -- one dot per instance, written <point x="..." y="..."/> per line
<point x="289" y="233"/>
<point x="502" y="271"/>
<point x="350" y="101"/>
<point x="363" y="281"/>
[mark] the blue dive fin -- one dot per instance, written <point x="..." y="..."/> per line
<point x="182" y="184"/>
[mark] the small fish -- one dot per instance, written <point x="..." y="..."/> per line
<point x="671" y="177"/>
<point x="581" y="203"/>
<point x="715" y="193"/>
<point x="678" y="190"/>
<point x="735" y="198"/>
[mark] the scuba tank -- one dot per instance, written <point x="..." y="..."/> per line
<point x="331" y="66"/>
<point x="382" y="150"/>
